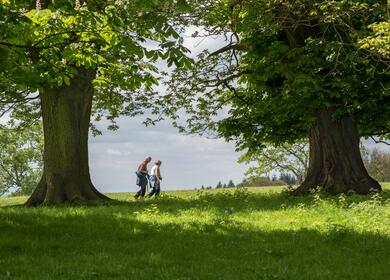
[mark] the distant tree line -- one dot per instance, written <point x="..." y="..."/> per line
<point x="21" y="153"/>
<point x="258" y="181"/>
<point x="264" y="181"/>
<point x="230" y="184"/>
<point x="377" y="163"/>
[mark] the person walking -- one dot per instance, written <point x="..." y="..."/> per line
<point x="155" y="179"/>
<point x="142" y="177"/>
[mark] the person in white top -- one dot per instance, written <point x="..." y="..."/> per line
<point x="155" y="179"/>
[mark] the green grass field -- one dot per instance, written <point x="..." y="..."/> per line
<point x="257" y="233"/>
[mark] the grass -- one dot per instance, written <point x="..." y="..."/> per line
<point x="258" y="233"/>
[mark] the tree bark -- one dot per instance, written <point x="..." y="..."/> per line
<point x="335" y="164"/>
<point x="66" y="115"/>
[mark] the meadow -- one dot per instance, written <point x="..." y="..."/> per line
<point x="253" y="233"/>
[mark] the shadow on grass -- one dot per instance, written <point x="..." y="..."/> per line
<point x="107" y="243"/>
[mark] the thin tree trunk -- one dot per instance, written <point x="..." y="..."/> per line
<point x="66" y="115"/>
<point x="335" y="164"/>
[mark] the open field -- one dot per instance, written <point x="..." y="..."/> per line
<point x="257" y="233"/>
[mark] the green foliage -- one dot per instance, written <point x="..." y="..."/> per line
<point x="121" y="40"/>
<point x="259" y="181"/>
<point x="379" y="42"/>
<point x="21" y="154"/>
<point x="255" y="233"/>
<point x="284" y="61"/>
<point x="288" y="178"/>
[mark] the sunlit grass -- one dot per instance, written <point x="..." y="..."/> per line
<point x="255" y="233"/>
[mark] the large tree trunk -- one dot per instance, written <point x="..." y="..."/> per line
<point x="66" y="115"/>
<point x="335" y="164"/>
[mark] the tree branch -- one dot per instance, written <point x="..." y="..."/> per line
<point x="23" y="100"/>
<point x="239" y="46"/>
<point x="14" y="45"/>
<point x="288" y="167"/>
<point x="229" y="78"/>
<point x="294" y="154"/>
<point x="232" y="89"/>
<point x="379" y="141"/>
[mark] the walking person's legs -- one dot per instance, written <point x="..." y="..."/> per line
<point x="152" y="185"/>
<point x="142" y="181"/>
<point x="152" y="192"/>
<point x="158" y="191"/>
<point x="143" y="190"/>
<point x="140" y="193"/>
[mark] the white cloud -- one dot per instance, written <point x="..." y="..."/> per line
<point x="113" y="152"/>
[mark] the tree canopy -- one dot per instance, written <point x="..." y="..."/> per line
<point x="285" y="60"/>
<point x="44" y="43"/>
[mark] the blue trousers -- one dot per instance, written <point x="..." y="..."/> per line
<point x="142" y="181"/>
<point x="155" y="186"/>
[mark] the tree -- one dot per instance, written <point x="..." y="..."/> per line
<point x="258" y="181"/>
<point x="377" y="163"/>
<point x="230" y="184"/>
<point x="292" y="158"/>
<point x="63" y="60"/>
<point x="219" y="185"/>
<point x="20" y="159"/>
<point x="287" y="178"/>
<point x="292" y="70"/>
